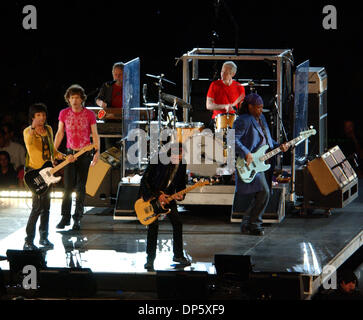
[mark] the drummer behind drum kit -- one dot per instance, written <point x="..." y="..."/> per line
<point x="166" y="118"/>
<point x="178" y="131"/>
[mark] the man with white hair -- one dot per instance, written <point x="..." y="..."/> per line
<point x="225" y="95"/>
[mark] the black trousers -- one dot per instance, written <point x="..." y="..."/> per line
<point x="75" y="177"/>
<point x="152" y="234"/>
<point x="40" y="207"/>
<point x="258" y="202"/>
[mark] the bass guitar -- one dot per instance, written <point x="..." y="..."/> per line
<point x="248" y="172"/>
<point x="148" y="211"/>
<point x="39" y="180"/>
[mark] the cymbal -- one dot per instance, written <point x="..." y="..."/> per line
<point x="266" y="110"/>
<point x="252" y="84"/>
<point x="161" y="77"/>
<point x="151" y="104"/>
<point x="142" y="109"/>
<point x="171" y="99"/>
<point x="169" y="107"/>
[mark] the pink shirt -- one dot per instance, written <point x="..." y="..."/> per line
<point x="77" y="126"/>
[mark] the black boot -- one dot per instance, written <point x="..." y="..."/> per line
<point x="29" y="246"/>
<point x="76" y="225"/>
<point x="66" y="221"/>
<point x="149" y="265"/>
<point x="46" y="243"/>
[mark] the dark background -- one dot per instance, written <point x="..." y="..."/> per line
<point x="78" y="42"/>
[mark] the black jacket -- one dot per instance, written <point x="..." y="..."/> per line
<point x="105" y="93"/>
<point x="156" y="177"/>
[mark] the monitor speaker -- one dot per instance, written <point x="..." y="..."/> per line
<point x="237" y="267"/>
<point x="191" y="285"/>
<point x="127" y="195"/>
<point x="66" y="282"/>
<point x="18" y="259"/>
<point x="328" y="181"/>
<point x="275" y="210"/>
<point x="332" y="171"/>
<point x="275" y="286"/>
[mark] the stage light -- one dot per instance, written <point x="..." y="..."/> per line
<point x="28" y="194"/>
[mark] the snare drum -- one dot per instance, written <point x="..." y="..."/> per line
<point x="185" y="130"/>
<point x="224" y="121"/>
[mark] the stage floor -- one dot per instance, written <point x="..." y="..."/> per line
<point x="108" y="246"/>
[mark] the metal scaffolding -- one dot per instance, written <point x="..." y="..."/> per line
<point x="282" y="57"/>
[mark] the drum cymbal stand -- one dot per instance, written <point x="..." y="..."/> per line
<point x="160" y="103"/>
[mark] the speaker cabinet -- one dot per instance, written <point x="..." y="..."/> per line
<point x="127" y="194"/>
<point x="191" y="285"/>
<point x="233" y="266"/>
<point x="332" y="171"/>
<point x="327" y="182"/>
<point x="66" y="282"/>
<point x="318" y="110"/>
<point x="318" y="118"/>
<point x="275" y="286"/>
<point x="106" y="191"/>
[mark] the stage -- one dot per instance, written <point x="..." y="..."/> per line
<point x="115" y="250"/>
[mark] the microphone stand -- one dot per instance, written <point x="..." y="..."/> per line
<point x="293" y="155"/>
<point x="280" y="118"/>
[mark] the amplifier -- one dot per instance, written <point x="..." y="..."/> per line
<point x="127" y="194"/>
<point x="332" y="171"/>
<point x="306" y="186"/>
<point x="67" y="282"/>
<point x="275" y="210"/>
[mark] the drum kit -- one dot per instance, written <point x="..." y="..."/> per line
<point x="166" y="117"/>
<point x="162" y="117"/>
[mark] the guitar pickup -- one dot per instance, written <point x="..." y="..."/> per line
<point x="252" y="173"/>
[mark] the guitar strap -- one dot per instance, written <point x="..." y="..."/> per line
<point x="263" y="130"/>
<point x="172" y="175"/>
<point x="50" y="143"/>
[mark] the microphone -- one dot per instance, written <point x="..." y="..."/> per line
<point x="144" y="91"/>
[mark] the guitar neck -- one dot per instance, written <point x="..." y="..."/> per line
<point x="274" y="152"/>
<point x="66" y="162"/>
<point x="184" y="191"/>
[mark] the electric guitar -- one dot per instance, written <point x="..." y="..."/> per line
<point x="148" y="211"/>
<point x="39" y="180"/>
<point x="248" y="172"/>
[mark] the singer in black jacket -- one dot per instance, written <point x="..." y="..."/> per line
<point x="159" y="181"/>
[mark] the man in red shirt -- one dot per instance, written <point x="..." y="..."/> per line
<point x="110" y="95"/>
<point x="225" y="94"/>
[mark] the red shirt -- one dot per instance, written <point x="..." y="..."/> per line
<point x="116" y="96"/>
<point x="223" y="94"/>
